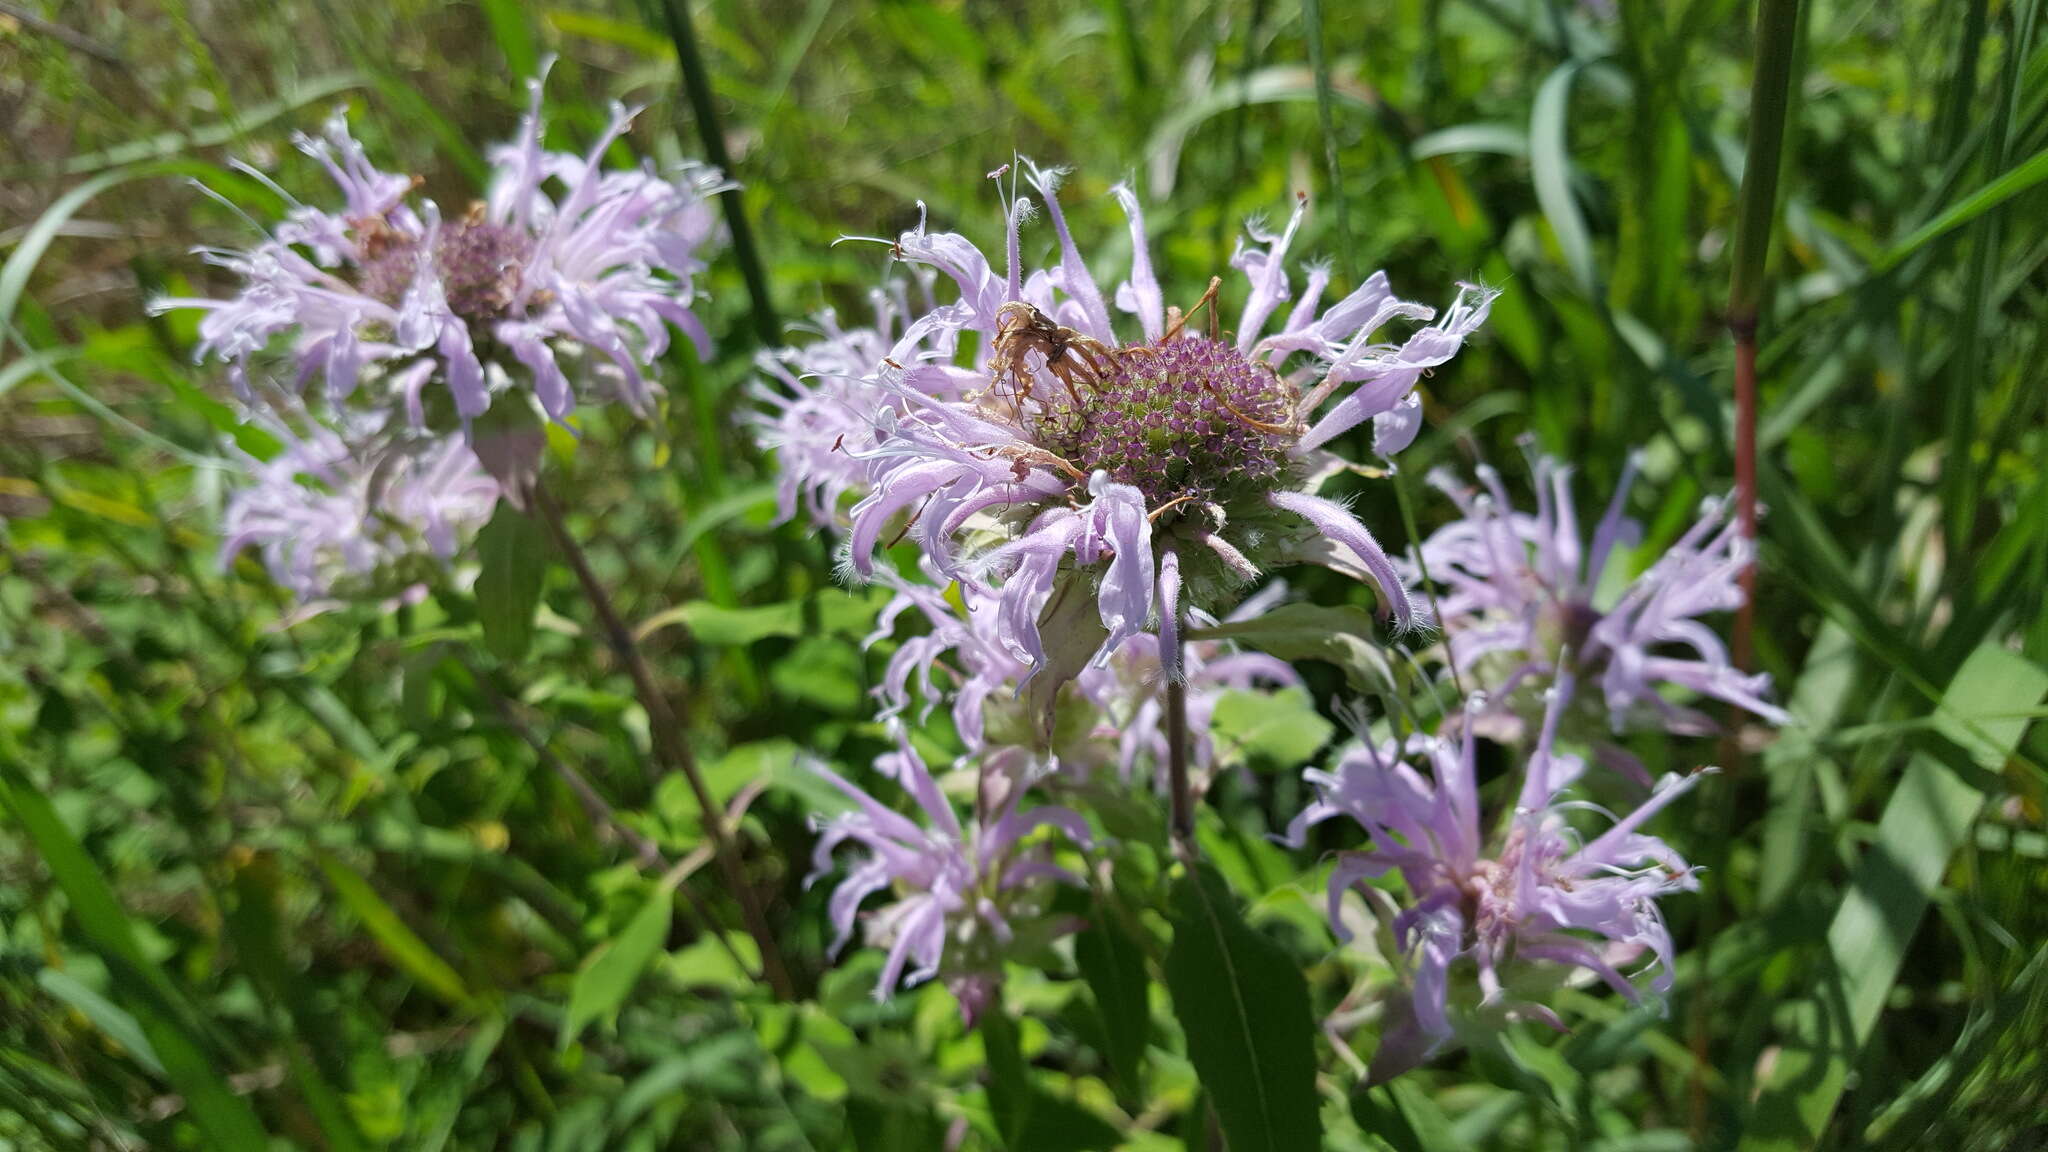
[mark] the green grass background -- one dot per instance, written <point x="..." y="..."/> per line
<point x="323" y="883"/>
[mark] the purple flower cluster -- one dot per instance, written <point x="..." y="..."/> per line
<point x="1525" y="891"/>
<point x="564" y="276"/>
<point x="1081" y="499"/>
<point x="383" y="297"/>
<point x="1110" y="716"/>
<point x="1520" y="595"/>
<point x="817" y="403"/>
<point x="1101" y="487"/>
<point x="967" y="894"/>
<point x="333" y="519"/>
<point x="1144" y="426"/>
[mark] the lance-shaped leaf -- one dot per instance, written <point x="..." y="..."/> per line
<point x="1244" y="1006"/>
<point x="513" y="551"/>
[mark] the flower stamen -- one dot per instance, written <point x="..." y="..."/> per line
<point x="1180" y="318"/>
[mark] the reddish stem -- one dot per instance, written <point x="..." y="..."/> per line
<point x="1744" y="328"/>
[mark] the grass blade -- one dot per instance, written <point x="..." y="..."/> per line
<point x="2022" y="177"/>
<point x="157" y="1004"/>
<point x="1983" y="715"/>
<point x="514" y="34"/>
<point x="1550" y="169"/>
<point x="1318" y="62"/>
<point x="398" y="941"/>
<point x="697" y="90"/>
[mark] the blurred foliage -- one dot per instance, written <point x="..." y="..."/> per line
<point x="331" y="881"/>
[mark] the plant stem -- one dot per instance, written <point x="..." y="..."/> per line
<point x="669" y="745"/>
<point x="697" y="89"/>
<point x="1777" y="49"/>
<point x="1745" y="478"/>
<point x="1183" y="806"/>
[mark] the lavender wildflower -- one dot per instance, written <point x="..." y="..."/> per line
<point x="1178" y="460"/>
<point x="1520" y="590"/>
<point x="1534" y="896"/>
<point x="333" y="520"/>
<point x="389" y="294"/>
<point x="818" y="402"/>
<point x="1113" y="715"/>
<point x="966" y="895"/>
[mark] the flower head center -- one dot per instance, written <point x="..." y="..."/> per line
<point x="478" y="263"/>
<point x="1192" y="418"/>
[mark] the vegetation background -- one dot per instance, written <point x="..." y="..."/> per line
<point x="331" y="880"/>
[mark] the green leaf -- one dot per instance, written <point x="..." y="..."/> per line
<point x="1984" y="714"/>
<point x="1273" y="730"/>
<point x="159" y="1008"/>
<point x="1825" y="683"/>
<point x="476" y="1057"/>
<point x="513" y="551"/>
<point x="604" y="30"/>
<point x="612" y="969"/>
<point x="822" y="672"/>
<point x="1113" y="964"/>
<point x="708" y="964"/>
<point x="720" y="1064"/>
<point x="1550" y="168"/>
<point x="1244" y="1006"/>
<point x="1029" y="1118"/>
<point x="253" y="924"/>
<point x="2024" y="175"/>
<point x="1402" y="1114"/>
<point x="107" y="1016"/>
<point x="829" y="610"/>
<point x="1343" y="635"/>
<point x="1500" y="139"/>
<point x="398" y="941"/>
<point x="712" y="624"/>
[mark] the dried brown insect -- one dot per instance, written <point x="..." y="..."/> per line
<point x="1070" y="356"/>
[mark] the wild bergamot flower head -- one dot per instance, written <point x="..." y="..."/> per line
<point x="1499" y="906"/>
<point x="566" y="274"/>
<point x="1098" y="477"/>
<point x="1525" y="598"/>
<point x="339" y="517"/>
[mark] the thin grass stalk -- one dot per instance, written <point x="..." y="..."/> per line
<point x="1436" y="611"/>
<point x="664" y="726"/>
<point x="1777" y="49"/>
<point x="697" y="90"/>
<point x="646" y="853"/>
<point x="700" y="490"/>
<point x="1958" y="471"/>
<point x="1248" y="58"/>
<point x="1318" y="62"/>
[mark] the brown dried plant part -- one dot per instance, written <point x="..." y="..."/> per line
<point x="1178" y="320"/>
<point x="1070" y="356"/>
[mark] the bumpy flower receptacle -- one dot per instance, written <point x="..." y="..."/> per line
<point x="1188" y="419"/>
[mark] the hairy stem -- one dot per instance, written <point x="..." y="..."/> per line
<point x="1183" y="804"/>
<point x="669" y="746"/>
